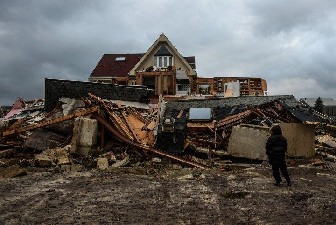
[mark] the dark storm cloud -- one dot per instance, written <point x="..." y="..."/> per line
<point x="305" y="31"/>
<point x="37" y="41"/>
<point x="289" y="43"/>
<point x="273" y="17"/>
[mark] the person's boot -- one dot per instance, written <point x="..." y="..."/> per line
<point x="289" y="183"/>
<point x="277" y="184"/>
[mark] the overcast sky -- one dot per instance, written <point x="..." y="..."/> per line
<point x="291" y="44"/>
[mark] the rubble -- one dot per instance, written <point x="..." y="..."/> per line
<point x="102" y="133"/>
<point x="122" y="162"/>
<point x="43" y="160"/>
<point x="12" y="171"/>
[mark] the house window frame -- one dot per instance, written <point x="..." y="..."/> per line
<point x="163" y="61"/>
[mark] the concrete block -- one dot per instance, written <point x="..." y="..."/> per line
<point x="66" y="168"/>
<point x="42" y="160"/>
<point x="88" y="132"/>
<point x="76" y="167"/>
<point x="63" y="159"/>
<point x="122" y="162"/>
<point x="102" y="163"/>
<point x="85" y="132"/>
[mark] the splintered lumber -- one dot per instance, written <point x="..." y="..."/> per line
<point x="133" y="112"/>
<point x="121" y="125"/>
<point x="144" y="147"/>
<point x="50" y="121"/>
<point x="237" y="118"/>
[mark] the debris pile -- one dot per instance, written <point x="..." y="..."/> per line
<point x="326" y="149"/>
<point x="180" y="131"/>
<point x="99" y="133"/>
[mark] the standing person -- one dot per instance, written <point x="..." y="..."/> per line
<point x="276" y="148"/>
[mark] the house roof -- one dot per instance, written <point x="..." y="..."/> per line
<point x="120" y="65"/>
<point x="116" y="65"/>
<point x="164" y="40"/>
<point x="191" y="60"/>
<point x="223" y="107"/>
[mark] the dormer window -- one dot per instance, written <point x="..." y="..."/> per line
<point x="163" y="58"/>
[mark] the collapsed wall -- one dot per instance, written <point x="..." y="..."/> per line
<point x="249" y="141"/>
<point x="231" y="102"/>
<point x="56" y="89"/>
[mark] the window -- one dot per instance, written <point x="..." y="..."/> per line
<point x="165" y="64"/>
<point x="163" y="61"/>
<point x="160" y="61"/>
<point x="163" y="57"/>
<point x="183" y="87"/>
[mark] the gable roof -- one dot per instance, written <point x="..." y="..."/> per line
<point x="163" y="39"/>
<point x="163" y="51"/>
<point x="113" y="65"/>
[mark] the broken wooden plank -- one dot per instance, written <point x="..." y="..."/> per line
<point x="130" y="127"/>
<point x="233" y="119"/>
<point x="121" y="125"/>
<point x="133" y="112"/>
<point x="50" y="121"/>
<point x="144" y="147"/>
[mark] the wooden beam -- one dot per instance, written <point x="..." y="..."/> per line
<point x="50" y="121"/>
<point x="144" y="147"/>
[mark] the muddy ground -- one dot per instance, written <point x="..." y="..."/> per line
<point x="242" y="194"/>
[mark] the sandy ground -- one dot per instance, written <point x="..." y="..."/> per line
<point x="241" y="195"/>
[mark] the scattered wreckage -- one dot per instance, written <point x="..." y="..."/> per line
<point x="95" y="132"/>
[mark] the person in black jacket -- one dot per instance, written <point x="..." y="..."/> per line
<point x="276" y="148"/>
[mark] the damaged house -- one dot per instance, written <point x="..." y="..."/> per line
<point x="237" y="126"/>
<point x="163" y="69"/>
<point x="118" y="129"/>
<point x="112" y="121"/>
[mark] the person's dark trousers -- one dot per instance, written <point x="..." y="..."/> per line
<point x="276" y="172"/>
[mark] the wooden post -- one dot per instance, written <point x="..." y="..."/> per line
<point x="102" y="137"/>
